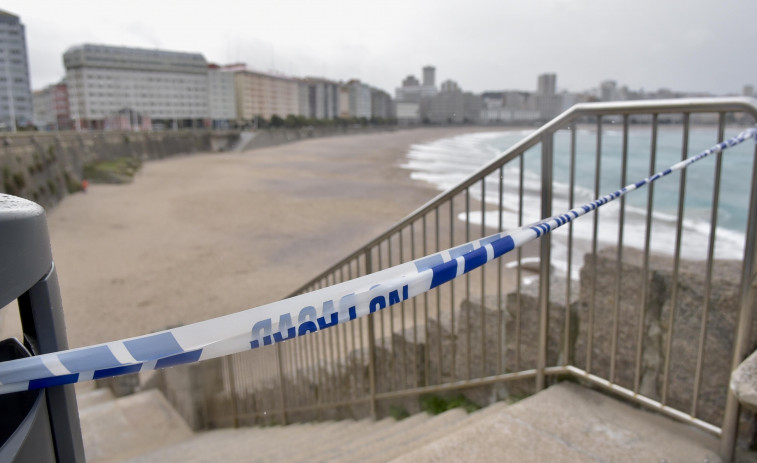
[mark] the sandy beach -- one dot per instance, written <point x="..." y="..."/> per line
<point x="200" y="236"/>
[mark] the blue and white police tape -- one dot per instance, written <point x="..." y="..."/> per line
<point x="296" y="316"/>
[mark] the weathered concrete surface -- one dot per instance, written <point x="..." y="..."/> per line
<point x="689" y="292"/>
<point x="568" y="423"/>
<point x="744" y="382"/>
<point x="113" y="430"/>
<point x="565" y="423"/>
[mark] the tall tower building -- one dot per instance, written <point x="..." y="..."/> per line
<point x="547" y="84"/>
<point x="429" y="76"/>
<point x="15" y="88"/>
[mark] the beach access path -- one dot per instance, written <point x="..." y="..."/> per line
<point x="204" y="235"/>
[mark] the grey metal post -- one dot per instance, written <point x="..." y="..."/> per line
<point x="744" y="326"/>
<point x="28" y="274"/>
<point x="282" y="392"/>
<point x="371" y="345"/>
<point x="544" y="259"/>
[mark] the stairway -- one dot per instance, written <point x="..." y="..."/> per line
<point x="563" y="423"/>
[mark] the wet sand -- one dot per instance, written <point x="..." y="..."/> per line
<point x="202" y="236"/>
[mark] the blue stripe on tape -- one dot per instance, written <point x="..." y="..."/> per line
<point x="153" y="347"/>
<point x="475" y="259"/>
<point x="503" y="245"/>
<point x="90" y="358"/>
<point x="32" y="368"/>
<point x="54" y="381"/>
<point x="460" y="250"/>
<point x="124" y="370"/>
<point x="186" y="357"/>
<point x="429" y="262"/>
<point x="444" y="273"/>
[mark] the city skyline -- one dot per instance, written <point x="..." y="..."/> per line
<point x="484" y="46"/>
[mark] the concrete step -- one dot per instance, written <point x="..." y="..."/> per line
<point x="341" y="446"/>
<point x="432" y="433"/>
<point x="114" y="430"/>
<point x="570" y="423"/>
<point x="400" y="443"/>
<point x="86" y="399"/>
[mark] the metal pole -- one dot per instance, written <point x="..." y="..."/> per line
<point x="544" y="258"/>
<point x="743" y="330"/>
<point x="282" y="393"/>
<point x="371" y="346"/>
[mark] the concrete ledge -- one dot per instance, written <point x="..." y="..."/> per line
<point x="744" y="382"/>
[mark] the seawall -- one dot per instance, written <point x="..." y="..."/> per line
<point x="44" y="167"/>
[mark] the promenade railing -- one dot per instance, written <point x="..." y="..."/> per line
<point x="652" y="300"/>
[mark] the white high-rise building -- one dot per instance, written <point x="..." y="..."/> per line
<point x="222" y="102"/>
<point x="169" y="87"/>
<point x="15" y="88"/>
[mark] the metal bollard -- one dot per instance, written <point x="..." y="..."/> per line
<point x="41" y="425"/>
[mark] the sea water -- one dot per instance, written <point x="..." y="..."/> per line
<point x="444" y="163"/>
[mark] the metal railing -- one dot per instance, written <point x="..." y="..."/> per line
<point x="648" y="320"/>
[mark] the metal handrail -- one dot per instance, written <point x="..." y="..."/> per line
<point x="309" y="370"/>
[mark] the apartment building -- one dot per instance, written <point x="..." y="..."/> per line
<point x="318" y="98"/>
<point x="263" y="95"/>
<point x="360" y="99"/>
<point x="15" y="89"/>
<point x="170" y="88"/>
<point x="51" y="108"/>
<point x="222" y="102"/>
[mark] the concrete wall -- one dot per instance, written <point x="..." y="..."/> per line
<point x="46" y="167"/>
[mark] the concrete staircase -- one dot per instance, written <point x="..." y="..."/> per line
<point x="563" y="423"/>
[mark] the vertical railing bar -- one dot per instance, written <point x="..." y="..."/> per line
<point x="619" y="253"/>
<point x="427" y="344"/>
<point x="233" y="391"/>
<point x="320" y="355"/>
<point x="468" y="346"/>
<point x="708" y="271"/>
<point x="380" y="313"/>
<point x="645" y="268"/>
<point x="371" y="348"/>
<point x="453" y="336"/>
<point x="518" y="272"/>
<point x="746" y="315"/>
<point x="416" y="378"/>
<point x="282" y="393"/>
<point x="333" y="371"/>
<point x="567" y="357"/>
<point x="500" y="262"/>
<point x="402" y="321"/>
<point x="438" y="307"/>
<point x="544" y="259"/>
<point x="595" y="228"/>
<point x="483" y="281"/>
<point x="676" y="260"/>
<point x="390" y="312"/>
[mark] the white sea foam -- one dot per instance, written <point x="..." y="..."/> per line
<point x="445" y="163"/>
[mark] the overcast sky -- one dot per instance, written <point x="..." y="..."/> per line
<point x="693" y="45"/>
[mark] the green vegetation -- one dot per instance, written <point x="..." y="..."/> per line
<point x="398" y="412"/>
<point x="72" y="185"/>
<point x="119" y="170"/>
<point x="436" y="405"/>
<point x="297" y="122"/>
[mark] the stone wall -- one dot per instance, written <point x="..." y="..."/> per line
<point x="45" y="167"/>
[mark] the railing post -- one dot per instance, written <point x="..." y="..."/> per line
<point x="743" y="329"/>
<point x="282" y="392"/>
<point x="371" y="345"/>
<point x="233" y="391"/>
<point x="51" y="430"/>
<point x="544" y="259"/>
